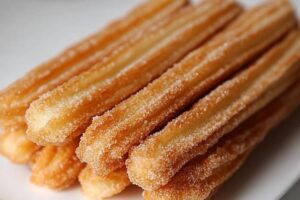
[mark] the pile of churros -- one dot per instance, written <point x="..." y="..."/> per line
<point x="172" y="97"/>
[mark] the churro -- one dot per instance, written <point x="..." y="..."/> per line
<point x="97" y="187"/>
<point x="105" y="144"/>
<point x="15" y="99"/>
<point x="195" y="190"/>
<point x="194" y="180"/>
<point x="215" y="115"/>
<point x="56" y="167"/>
<point x="64" y="113"/>
<point x="15" y="146"/>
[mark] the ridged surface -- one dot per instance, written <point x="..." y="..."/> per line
<point x="109" y="138"/>
<point x="64" y="113"/>
<point x="15" y="99"/>
<point x="200" y="190"/>
<point x="191" y="182"/>
<point x="195" y="153"/>
<point x="56" y="167"/>
<point x="215" y="115"/>
<point x="105" y="144"/>
<point x="96" y="187"/>
<point x="15" y="146"/>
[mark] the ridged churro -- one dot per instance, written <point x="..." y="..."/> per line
<point x="173" y="98"/>
<point x="56" y="167"/>
<point x="97" y="187"/>
<point x="215" y="115"/>
<point x="15" y="99"/>
<point x="191" y="182"/>
<point x="64" y="113"/>
<point x="192" y="189"/>
<point x="105" y="144"/>
<point x="15" y="146"/>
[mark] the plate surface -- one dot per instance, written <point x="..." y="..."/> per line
<point x="33" y="31"/>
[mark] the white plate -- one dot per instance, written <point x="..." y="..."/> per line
<point x="33" y="31"/>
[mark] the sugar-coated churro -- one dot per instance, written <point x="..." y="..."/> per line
<point x="64" y="113"/>
<point x="15" y="146"/>
<point x="96" y="187"/>
<point x="105" y="144"/>
<point x="198" y="190"/>
<point x="56" y="167"/>
<point x="191" y="181"/>
<point x="15" y="99"/>
<point x="215" y="115"/>
<point x="173" y="98"/>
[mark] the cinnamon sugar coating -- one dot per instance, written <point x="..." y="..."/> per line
<point x="193" y="181"/>
<point x="215" y="115"/>
<point x="97" y="187"/>
<point x="56" y="167"/>
<point x="67" y="110"/>
<point x="105" y="144"/>
<point x="15" y="146"/>
<point x="16" y="98"/>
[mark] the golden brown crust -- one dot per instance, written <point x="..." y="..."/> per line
<point x="15" y="146"/>
<point x="68" y="109"/>
<point x="56" y="167"/>
<point x="15" y="99"/>
<point x="200" y="190"/>
<point x="215" y="115"/>
<point x="105" y="144"/>
<point x="96" y="187"/>
<point x="191" y="178"/>
<point x="112" y="134"/>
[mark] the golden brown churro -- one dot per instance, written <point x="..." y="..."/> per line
<point x="15" y="146"/>
<point x="64" y="113"/>
<point x="106" y="142"/>
<point x="215" y="115"/>
<point x="97" y="187"/>
<point x="15" y="99"/>
<point x="56" y="167"/>
<point x="198" y="190"/>
<point x="193" y="181"/>
<point x="178" y="131"/>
